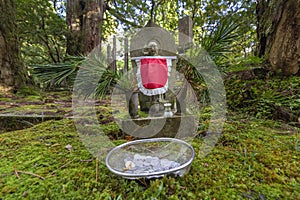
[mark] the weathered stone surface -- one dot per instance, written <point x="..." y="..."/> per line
<point x="153" y="33"/>
<point x="185" y="26"/>
<point x="142" y="45"/>
<point x="176" y="126"/>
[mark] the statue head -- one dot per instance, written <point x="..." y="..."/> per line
<point x="151" y="49"/>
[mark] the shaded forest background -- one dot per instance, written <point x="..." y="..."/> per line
<point x="49" y="32"/>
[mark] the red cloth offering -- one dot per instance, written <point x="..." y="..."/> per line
<point x="154" y="72"/>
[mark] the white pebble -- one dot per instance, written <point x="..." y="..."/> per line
<point x="129" y="165"/>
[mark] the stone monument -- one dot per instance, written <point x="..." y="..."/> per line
<point x="155" y="43"/>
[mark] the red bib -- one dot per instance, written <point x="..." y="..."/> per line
<point x="154" y="72"/>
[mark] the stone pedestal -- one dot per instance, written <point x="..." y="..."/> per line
<point x="175" y="127"/>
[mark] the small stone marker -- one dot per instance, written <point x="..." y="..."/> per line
<point x="185" y="28"/>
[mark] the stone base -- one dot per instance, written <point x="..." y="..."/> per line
<point x="173" y="127"/>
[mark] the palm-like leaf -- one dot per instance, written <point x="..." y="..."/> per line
<point x="219" y="41"/>
<point x="106" y="82"/>
<point x="94" y="78"/>
<point x="53" y="75"/>
<point x="214" y="46"/>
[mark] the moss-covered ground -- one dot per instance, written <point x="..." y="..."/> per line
<point x="252" y="160"/>
<point x="38" y="103"/>
<point x="257" y="156"/>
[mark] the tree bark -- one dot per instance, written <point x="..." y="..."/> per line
<point x="278" y="33"/>
<point x="12" y="71"/>
<point x="84" y="20"/>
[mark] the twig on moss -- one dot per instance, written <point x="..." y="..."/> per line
<point x="62" y="166"/>
<point x="89" y="160"/>
<point x="25" y="122"/>
<point x="16" y="173"/>
<point x="30" y="173"/>
<point x="97" y="169"/>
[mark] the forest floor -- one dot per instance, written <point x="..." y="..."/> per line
<point x="51" y="103"/>
<point x="256" y="157"/>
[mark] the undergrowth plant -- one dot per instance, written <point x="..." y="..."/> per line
<point x="261" y="97"/>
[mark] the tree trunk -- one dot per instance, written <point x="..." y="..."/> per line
<point x="84" y="20"/>
<point x="12" y="71"/>
<point x="278" y="33"/>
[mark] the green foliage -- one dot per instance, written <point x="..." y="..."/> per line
<point x="27" y="91"/>
<point x="218" y="43"/>
<point x="130" y="14"/>
<point x="42" y="27"/>
<point x="95" y="78"/>
<point x="56" y="75"/>
<point x="41" y="32"/>
<point x="166" y="15"/>
<point x="241" y="64"/>
<point x="207" y="14"/>
<point x="210" y="18"/>
<point x="107" y="81"/>
<point x="217" y="28"/>
<point x="260" y="97"/>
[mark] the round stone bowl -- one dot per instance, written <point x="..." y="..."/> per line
<point x="151" y="158"/>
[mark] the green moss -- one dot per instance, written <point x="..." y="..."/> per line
<point x="5" y="99"/>
<point x="251" y="160"/>
<point x="241" y="64"/>
<point x="259" y="97"/>
<point x="27" y="91"/>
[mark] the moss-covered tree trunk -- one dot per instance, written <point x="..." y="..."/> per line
<point x="279" y="34"/>
<point x="84" y="20"/>
<point x="12" y="71"/>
